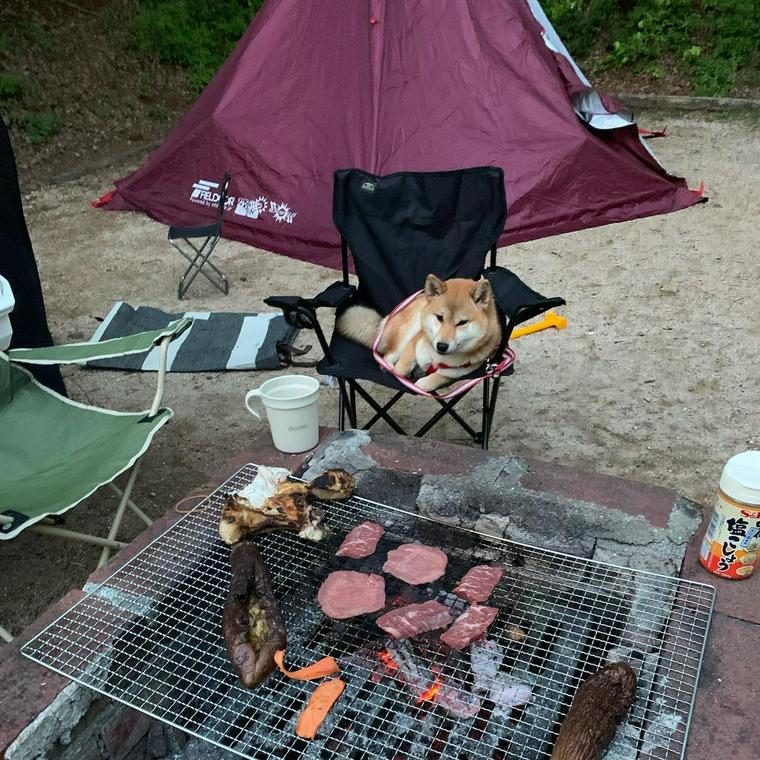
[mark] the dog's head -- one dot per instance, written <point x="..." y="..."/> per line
<point x="458" y="313"/>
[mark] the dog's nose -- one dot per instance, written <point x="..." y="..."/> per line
<point x="442" y="348"/>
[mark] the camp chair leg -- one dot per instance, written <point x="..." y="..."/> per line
<point x="489" y="410"/>
<point x="484" y="427"/>
<point x="132" y="505"/>
<point x="219" y="281"/>
<point x="119" y="513"/>
<point x="447" y="407"/>
<point x="385" y="408"/>
<point x="345" y="406"/>
<point x="72" y="535"/>
<point x="381" y="411"/>
<point x="196" y="267"/>
<point x="341" y="407"/>
<point x="48" y="526"/>
<point x="5" y="635"/>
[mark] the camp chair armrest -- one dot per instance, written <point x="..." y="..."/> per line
<point x="79" y="353"/>
<point x="302" y="312"/>
<point x="332" y="297"/>
<point x="528" y="311"/>
<point x="518" y="301"/>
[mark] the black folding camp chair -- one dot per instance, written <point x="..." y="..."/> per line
<point x="198" y="254"/>
<point x="400" y="228"/>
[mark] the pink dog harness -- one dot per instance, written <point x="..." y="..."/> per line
<point x="492" y="370"/>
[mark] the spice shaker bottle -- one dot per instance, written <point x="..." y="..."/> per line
<point x="731" y="546"/>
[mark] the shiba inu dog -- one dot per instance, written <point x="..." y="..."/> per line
<point x="446" y="332"/>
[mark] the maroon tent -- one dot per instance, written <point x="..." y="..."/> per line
<point x="392" y="85"/>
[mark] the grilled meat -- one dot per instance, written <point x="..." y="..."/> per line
<point x="345" y="594"/>
<point x="416" y="563"/>
<point x="288" y="507"/>
<point x="470" y="625"/>
<point x="478" y="583"/>
<point x="332" y="484"/>
<point x="412" y="619"/>
<point x="361" y="541"/>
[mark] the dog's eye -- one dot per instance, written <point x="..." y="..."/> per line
<point x="462" y="322"/>
<point x="439" y="317"/>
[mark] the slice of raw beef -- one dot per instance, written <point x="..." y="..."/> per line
<point x="416" y="563"/>
<point x="361" y="541"/>
<point x="412" y="619"/>
<point x="478" y="583"/>
<point x="470" y="625"/>
<point x="346" y="594"/>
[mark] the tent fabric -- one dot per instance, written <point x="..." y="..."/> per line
<point x="398" y="85"/>
<point x="44" y="474"/>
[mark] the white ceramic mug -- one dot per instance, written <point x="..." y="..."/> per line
<point x="291" y="405"/>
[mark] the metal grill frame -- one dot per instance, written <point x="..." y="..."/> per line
<point x="149" y="636"/>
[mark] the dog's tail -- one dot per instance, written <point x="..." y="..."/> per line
<point x="360" y="324"/>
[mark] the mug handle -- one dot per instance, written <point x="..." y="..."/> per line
<point x="248" y="397"/>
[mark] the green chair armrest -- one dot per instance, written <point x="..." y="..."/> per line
<point x="78" y="353"/>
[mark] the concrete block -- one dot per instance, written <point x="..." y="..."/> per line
<point x="341" y="450"/>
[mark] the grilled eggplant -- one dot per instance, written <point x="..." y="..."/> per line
<point x="251" y="621"/>
<point x="600" y="704"/>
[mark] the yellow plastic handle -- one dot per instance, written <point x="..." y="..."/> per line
<point x="551" y="319"/>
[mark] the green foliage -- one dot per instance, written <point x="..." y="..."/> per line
<point x="195" y="34"/>
<point x="40" y="126"/>
<point x="711" y="41"/>
<point x="33" y="32"/>
<point x="11" y="87"/>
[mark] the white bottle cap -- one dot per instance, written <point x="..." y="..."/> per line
<point x="741" y="477"/>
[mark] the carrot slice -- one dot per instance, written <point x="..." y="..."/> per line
<point x="325" y="667"/>
<point x="320" y="704"/>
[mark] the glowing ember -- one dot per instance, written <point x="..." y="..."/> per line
<point x="429" y="694"/>
<point x="387" y="660"/>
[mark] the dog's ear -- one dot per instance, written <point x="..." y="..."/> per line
<point x="482" y="294"/>
<point x="434" y="286"/>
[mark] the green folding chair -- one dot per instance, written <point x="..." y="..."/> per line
<point x="55" y="452"/>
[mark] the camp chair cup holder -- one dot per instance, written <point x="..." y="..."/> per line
<point x="414" y="212"/>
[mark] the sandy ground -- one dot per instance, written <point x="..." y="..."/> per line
<point x="656" y="379"/>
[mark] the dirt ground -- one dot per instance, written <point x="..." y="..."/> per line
<point x="657" y="377"/>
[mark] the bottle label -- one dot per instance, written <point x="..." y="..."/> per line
<point x="731" y="546"/>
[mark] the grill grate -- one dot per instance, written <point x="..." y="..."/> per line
<point x="150" y="636"/>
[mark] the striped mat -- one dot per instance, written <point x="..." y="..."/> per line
<point x="214" y="342"/>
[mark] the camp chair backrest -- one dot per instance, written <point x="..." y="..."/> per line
<point x="401" y="227"/>
<point x="224" y="190"/>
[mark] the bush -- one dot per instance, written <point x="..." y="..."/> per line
<point x="195" y="34"/>
<point x="710" y="40"/>
<point x="39" y="126"/>
<point x="11" y="87"/>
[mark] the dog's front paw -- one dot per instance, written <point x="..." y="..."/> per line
<point x="430" y="382"/>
